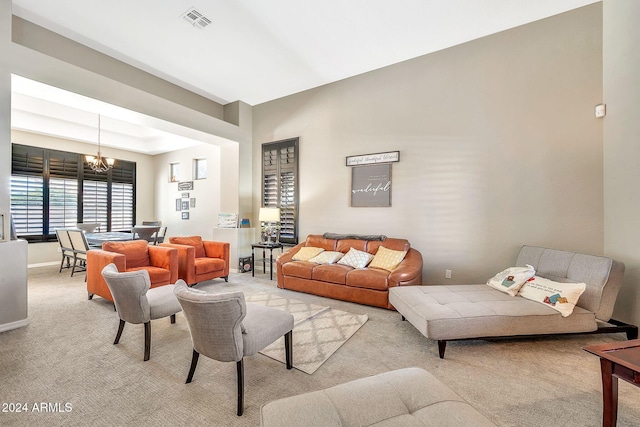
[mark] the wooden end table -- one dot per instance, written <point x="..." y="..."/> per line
<point x="264" y="247"/>
<point x="617" y="360"/>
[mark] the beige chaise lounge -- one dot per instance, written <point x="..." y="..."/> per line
<point x="405" y="397"/>
<point x="446" y="313"/>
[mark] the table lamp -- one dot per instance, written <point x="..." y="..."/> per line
<point x="270" y="217"/>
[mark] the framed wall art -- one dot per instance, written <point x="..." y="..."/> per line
<point x="371" y="185"/>
<point x="185" y="215"/>
<point x="185" y="205"/>
<point x="178" y="204"/>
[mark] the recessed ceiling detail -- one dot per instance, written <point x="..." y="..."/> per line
<point x="196" y="18"/>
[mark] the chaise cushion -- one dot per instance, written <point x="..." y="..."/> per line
<point x="475" y="311"/>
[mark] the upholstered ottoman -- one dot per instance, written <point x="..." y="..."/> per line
<point x="406" y="397"/>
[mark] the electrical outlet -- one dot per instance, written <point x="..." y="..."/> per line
<point x="447" y="274"/>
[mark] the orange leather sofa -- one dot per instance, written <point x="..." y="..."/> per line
<point x="369" y="286"/>
<point x="200" y="260"/>
<point x="161" y="263"/>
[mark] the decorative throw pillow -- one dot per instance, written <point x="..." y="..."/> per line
<point x="559" y="296"/>
<point x="511" y="280"/>
<point x="327" y="257"/>
<point x="356" y="259"/>
<point x="387" y="259"/>
<point x="306" y="253"/>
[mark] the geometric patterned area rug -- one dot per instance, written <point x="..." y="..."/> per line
<point x="318" y="331"/>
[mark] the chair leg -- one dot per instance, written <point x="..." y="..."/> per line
<point x="240" y="369"/>
<point x="119" y="334"/>
<point x="147" y="340"/>
<point x="288" y="348"/>
<point x="226" y="278"/>
<point x="194" y="363"/>
<point x="173" y="318"/>
<point x="89" y="296"/>
<point x="62" y="263"/>
<point x="73" y="270"/>
<point x="442" y="345"/>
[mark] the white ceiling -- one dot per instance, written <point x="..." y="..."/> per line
<point x="259" y="50"/>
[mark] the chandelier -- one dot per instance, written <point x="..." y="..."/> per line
<point x="99" y="164"/>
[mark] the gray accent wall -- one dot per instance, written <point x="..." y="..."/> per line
<point x="621" y="77"/>
<point x="498" y="144"/>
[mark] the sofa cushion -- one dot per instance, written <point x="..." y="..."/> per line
<point x="387" y="259"/>
<point x="159" y="276"/>
<point x="356" y="259"/>
<point x="318" y="241"/>
<point x="195" y="241"/>
<point x="369" y="278"/>
<point x="136" y="252"/>
<point x="559" y="296"/>
<point x="332" y="273"/>
<point x="345" y="245"/>
<point x="300" y="269"/>
<point x="209" y="265"/>
<point x="405" y="397"/>
<point x="306" y="253"/>
<point x="390" y="243"/>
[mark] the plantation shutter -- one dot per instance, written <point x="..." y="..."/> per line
<point x="27" y="189"/>
<point x="63" y="190"/>
<point x="280" y="184"/>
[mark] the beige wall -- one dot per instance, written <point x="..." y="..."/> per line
<point x="203" y="217"/>
<point x="498" y="145"/>
<point x="621" y="54"/>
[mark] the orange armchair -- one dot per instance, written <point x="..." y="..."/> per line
<point x="200" y="260"/>
<point x="132" y="255"/>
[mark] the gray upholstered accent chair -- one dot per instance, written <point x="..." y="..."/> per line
<point x="136" y="303"/>
<point x="225" y="328"/>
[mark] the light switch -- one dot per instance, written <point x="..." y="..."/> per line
<point x="601" y="110"/>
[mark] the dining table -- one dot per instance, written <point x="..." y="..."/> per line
<point x="97" y="239"/>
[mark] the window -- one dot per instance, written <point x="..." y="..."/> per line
<point x="53" y="189"/>
<point x="199" y="168"/>
<point x="174" y="172"/>
<point x="280" y="184"/>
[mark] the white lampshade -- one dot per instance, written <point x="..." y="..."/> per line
<point x="269" y="215"/>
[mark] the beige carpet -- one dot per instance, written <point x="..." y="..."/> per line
<point x="66" y="355"/>
<point x="318" y="332"/>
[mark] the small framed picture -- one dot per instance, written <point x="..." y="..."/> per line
<point x="192" y="202"/>
<point x="185" y="205"/>
<point x="178" y="204"/>
<point x="185" y="195"/>
<point x="185" y="215"/>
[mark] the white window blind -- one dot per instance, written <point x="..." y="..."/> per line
<point x="94" y="202"/>
<point x="121" y="206"/>
<point x="27" y="200"/>
<point x="63" y="203"/>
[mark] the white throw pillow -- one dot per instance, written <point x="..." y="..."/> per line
<point x="511" y="280"/>
<point x="327" y="257"/>
<point x="356" y="259"/>
<point x="559" y="296"/>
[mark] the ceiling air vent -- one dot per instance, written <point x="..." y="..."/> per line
<point x="196" y="18"/>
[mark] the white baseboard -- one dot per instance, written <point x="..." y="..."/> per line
<point x="14" y="325"/>
<point x="43" y="264"/>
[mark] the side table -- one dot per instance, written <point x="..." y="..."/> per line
<point x="264" y="247"/>
<point x="617" y="360"/>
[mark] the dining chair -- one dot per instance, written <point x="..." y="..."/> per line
<point x="88" y="227"/>
<point x="136" y="302"/>
<point x="158" y="223"/>
<point x="80" y="248"/>
<point x="148" y="233"/>
<point x="161" y="234"/>
<point x="66" y="248"/>
<point x="224" y="327"/>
